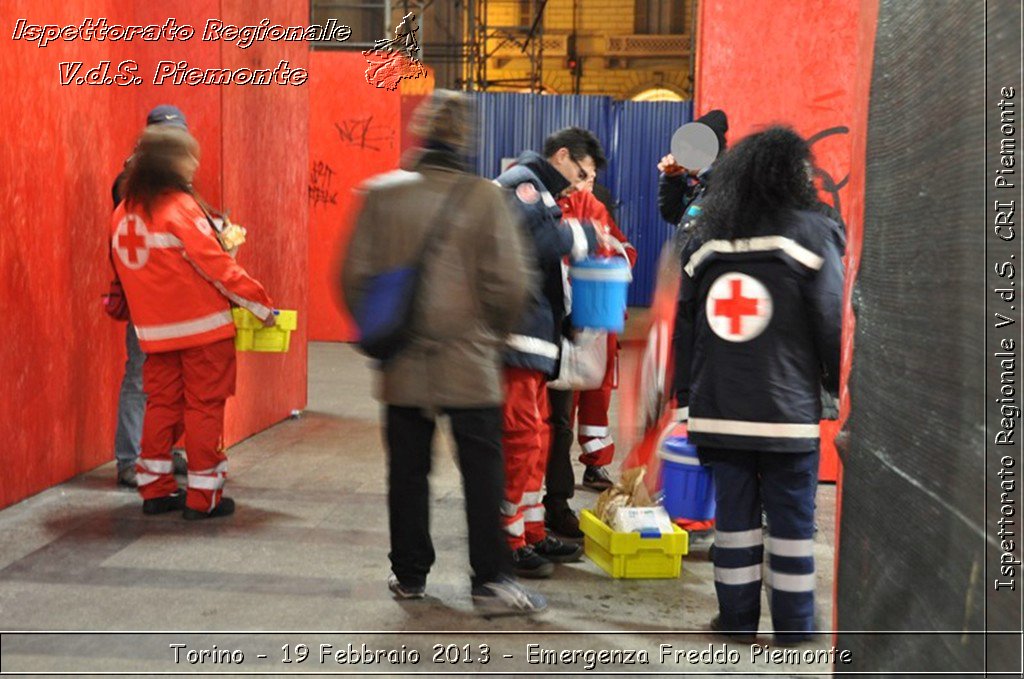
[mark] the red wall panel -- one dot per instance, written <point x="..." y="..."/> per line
<point x="60" y="354"/>
<point x="798" y="64"/>
<point x="265" y="155"/>
<point x="62" y="358"/>
<point x="354" y="133"/>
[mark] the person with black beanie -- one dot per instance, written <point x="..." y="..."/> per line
<point x="681" y="189"/>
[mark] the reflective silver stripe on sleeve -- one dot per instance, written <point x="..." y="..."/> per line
<point x="580" y="247"/>
<point x="707" y="425"/>
<point x="509" y="509"/>
<point x="681" y="414"/>
<point x="758" y="244"/>
<point x="260" y="311"/>
<point x="591" y="430"/>
<point x="532" y="345"/>
<point x="143" y="479"/>
<point x="738" y="539"/>
<point x="154" y="333"/>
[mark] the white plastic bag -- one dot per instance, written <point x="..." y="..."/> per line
<point x="584" y="362"/>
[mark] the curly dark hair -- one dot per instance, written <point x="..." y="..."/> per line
<point x="763" y="175"/>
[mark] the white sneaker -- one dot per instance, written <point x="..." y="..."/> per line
<point x="403" y="591"/>
<point x="505" y="596"/>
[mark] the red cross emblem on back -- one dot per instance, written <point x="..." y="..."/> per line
<point x="131" y="242"/>
<point x="738" y="307"/>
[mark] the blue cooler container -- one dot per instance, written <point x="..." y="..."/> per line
<point x="687" y="486"/>
<point x="599" y="286"/>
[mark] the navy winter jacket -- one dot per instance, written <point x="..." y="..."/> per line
<point x="680" y="197"/>
<point x="758" y="334"/>
<point x="534" y="183"/>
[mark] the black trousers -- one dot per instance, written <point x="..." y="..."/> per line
<point x="560" y="481"/>
<point x="409" y="433"/>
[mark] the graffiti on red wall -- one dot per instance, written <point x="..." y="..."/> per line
<point x="319" y="190"/>
<point x="826" y="182"/>
<point x="364" y="134"/>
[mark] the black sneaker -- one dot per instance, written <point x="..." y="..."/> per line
<point x="742" y="637"/>
<point x="178" y="463"/>
<point x="597" y="478"/>
<point x="225" y="508"/>
<point x="563" y="521"/>
<point x="126" y="477"/>
<point x="162" y="505"/>
<point x="528" y="564"/>
<point x="405" y="591"/>
<point x="553" y="549"/>
<point x="505" y="596"/>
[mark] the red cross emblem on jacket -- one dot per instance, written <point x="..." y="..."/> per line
<point x="739" y="307"/>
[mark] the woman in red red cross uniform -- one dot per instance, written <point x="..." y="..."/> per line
<point x="180" y="284"/>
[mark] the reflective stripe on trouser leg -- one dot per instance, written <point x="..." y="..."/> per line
<point x="163" y="382"/>
<point x="211" y="479"/>
<point x="533" y="510"/>
<point x="739" y="551"/>
<point x="594" y="434"/>
<point x="209" y="373"/>
<point x="521" y="445"/>
<point x="789" y="484"/>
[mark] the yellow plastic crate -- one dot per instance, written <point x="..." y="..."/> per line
<point x="629" y="555"/>
<point x="250" y="335"/>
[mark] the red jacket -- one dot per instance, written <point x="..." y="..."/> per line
<point x="178" y="280"/>
<point x="583" y="205"/>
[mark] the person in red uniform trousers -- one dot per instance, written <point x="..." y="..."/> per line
<point x="595" y="437"/>
<point x="180" y="284"/>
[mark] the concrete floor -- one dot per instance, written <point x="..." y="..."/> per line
<point x="304" y="561"/>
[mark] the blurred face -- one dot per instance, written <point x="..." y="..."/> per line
<point x="187" y="164"/>
<point x="579" y="173"/>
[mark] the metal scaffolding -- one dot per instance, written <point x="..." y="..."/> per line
<point x="486" y="37"/>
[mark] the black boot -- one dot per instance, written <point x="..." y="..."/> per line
<point x="225" y="508"/>
<point x="162" y="505"/>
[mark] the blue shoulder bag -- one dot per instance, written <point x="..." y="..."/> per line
<point x="385" y="314"/>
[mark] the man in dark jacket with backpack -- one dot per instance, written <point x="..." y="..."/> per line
<point x="571" y="157"/>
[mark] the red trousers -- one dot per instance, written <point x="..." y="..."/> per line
<point x="595" y="437"/>
<point x="185" y="393"/>
<point x="525" y="441"/>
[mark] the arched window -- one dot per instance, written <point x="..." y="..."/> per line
<point x="657" y="94"/>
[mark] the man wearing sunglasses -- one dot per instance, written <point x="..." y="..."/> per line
<point x="571" y="157"/>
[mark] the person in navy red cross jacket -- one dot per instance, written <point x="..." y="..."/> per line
<point x="757" y="337"/>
